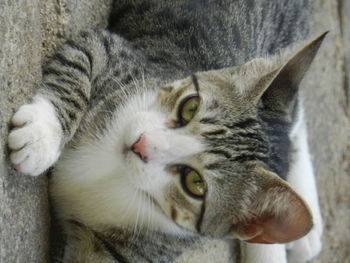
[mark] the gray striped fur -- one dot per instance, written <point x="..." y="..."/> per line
<point x="150" y="44"/>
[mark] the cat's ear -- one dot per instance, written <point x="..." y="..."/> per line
<point x="278" y="86"/>
<point x="277" y="215"/>
<point x="282" y="90"/>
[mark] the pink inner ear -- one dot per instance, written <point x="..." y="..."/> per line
<point x="281" y="216"/>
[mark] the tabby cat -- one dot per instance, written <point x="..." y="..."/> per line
<point x="179" y="123"/>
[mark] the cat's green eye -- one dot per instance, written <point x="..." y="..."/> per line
<point x="193" y="182"/>
<point x="187" y="109"/>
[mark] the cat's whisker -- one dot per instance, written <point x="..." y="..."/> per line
<point x="149" y="213"/>
<point x="137" y="225"/>
<point x="147" y="218"/>
<point x="138" y="88"/>
<point x="123" y="88"/>
<point x="152" y="206"/>
<point x="143" y="88"/>
<point x="135" y="81"/>
<point x="143" y="79"/>
<point x="125" y="213"/>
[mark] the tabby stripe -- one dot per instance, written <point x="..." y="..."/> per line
<point x="66" y="62"/>
<point x="176" y="96"/>
<point x="200" y="218"/>
<point x="195" y="83"/>
<point x="250" y="135"/>
<point x="74" y="88"/>
<point x="164" y="60"/>
<point x="106" y="44"/>
<point x="67" y="81"/>
<point x="49" y="70"/>
<point x="72" y="115"/>
<point x="220" y="152"/>
<point x="217" y="132"/>
<point x="72" y="102"/>
<point x="82" y="50"/>
<point x="248" y="157"/>
<point x="212" y="166"/>
<point x="144" y="254"/>
<point x="208" y="121"/>
<point x="80" y="93"/>
<point x="76" y="223"/>
<point x="61" y="118"/>
<point x="111" y="250"/>
<point x="67" y="116"/>
<point x="251" y="148"/>
<point x="108" y="246"/>
<point x="243" y="124"/>
<point x="60" y="90"/>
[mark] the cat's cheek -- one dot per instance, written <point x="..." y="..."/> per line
<point x="35" y="138"/>
<point x="181" y="209"/>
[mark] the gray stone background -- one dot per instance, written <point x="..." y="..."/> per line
<point x="29" y="32"/>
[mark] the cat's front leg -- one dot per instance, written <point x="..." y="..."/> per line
<point x="261" y="253"/>
<point x="42" y="127"/>
<point x="36" y="137"/>
<point x="301" y="177"/>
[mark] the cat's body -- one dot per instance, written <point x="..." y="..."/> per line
<point x="121" y="186"/>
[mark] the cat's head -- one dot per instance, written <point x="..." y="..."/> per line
<point x="199" y="155"/>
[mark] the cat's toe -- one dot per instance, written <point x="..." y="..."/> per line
<point x="31" y="152"/>
<point x="305" y="248"/>
<point x="35" y="139"/>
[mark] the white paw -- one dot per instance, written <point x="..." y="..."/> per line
<point x="305" y="248"/>
<point x="35" y="138"/>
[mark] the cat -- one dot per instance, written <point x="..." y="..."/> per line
<point x="179" y="123"/>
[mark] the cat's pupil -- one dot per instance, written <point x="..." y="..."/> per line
<point x="197" y="181"/>
<point x="193" y="108"/>
<point x="188" y="109"/>
<point x="194" y="183"/>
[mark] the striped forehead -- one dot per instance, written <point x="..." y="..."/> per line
<point x="236" y="142"/>
<point x="178" y="89"/>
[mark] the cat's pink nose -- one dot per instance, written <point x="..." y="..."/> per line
<point x="139" y="148"/>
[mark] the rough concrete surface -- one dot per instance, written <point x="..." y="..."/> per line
<point x="24" y="224"/>
<point x="30" y="30"/>
<point x="326" y="91"/>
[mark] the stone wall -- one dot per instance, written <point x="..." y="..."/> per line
<point x="31" y="29"/>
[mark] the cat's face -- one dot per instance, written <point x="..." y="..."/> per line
<point x="177" y="145"/>
<point x="196" y="151"/>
